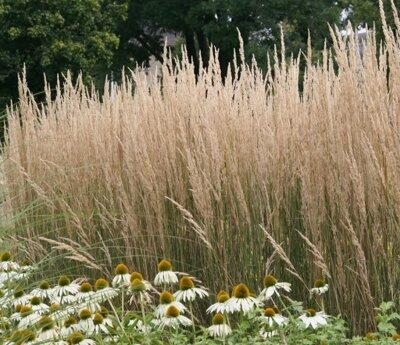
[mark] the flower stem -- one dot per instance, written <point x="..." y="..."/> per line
<point x="143" y="314"/>
<point x="192" y="317"/>
<point x="284" y="305"/>
<point x="227" y="319"/>
<point x="122" y="303"/>
<point x="117" y="317"/>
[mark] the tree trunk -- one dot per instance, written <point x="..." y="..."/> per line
<point x="191" y="50"/>
<point x="204" y="47"/>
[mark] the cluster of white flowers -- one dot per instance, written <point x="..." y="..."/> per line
<point x="73" y="312"/>
<point x="171" y="307"/>
<point x="66" y="313"/>
<point x="242" y="301"/>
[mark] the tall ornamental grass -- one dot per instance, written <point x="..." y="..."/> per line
<point x="221" y="176"/>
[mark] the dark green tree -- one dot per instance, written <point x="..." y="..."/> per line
<point x="53" y="36"/>
<point x="205" y="22"/>
<point x="200" y="22"/>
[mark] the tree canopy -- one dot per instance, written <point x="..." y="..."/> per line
<point x="96" y="37"/>
<point x="53" y="36"/>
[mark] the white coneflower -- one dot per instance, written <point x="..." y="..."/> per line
<point x="85" y="292"/>
<point x="99" y="325"/>
<point x="78" y="338"/>
<point x="70" y="326"/>
<point x="173" y="319"/>
<point x="314" y="319"/>
<point x="188" y="292"/>
<point x="43" y="291"/>
<point x="106" y="317"/>
<point x="39" y="307"/>
<point x="7" y="277"/>
<point x="138" y="289"/>
<point x="320" y="287"/>
<point x="85" y="297"/>
<point x="167" y="300"/>
<point x="219" y="328"/>
<point x="24" y="271"/>
<point x="20" y="297"/>
<point x="28" y="317"/>
<point x="103" y="291"/>
<point x="165" y="275"/>
<point x="65" y="291"/>
<point x="137" y="275"/>
<point x="272" y="317"/>
<point x="122" y="277"/>
<point x="6" y="264"/>
<point x="86" y="324"/>
<point x="221" y="304"/>
<point x="16" y="316"/>
<point x="241" y="301"/>
<point x="48" y="330"/>
<point x="272" y="287"/>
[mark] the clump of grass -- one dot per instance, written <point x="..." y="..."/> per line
<point x="189" y="168"/>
